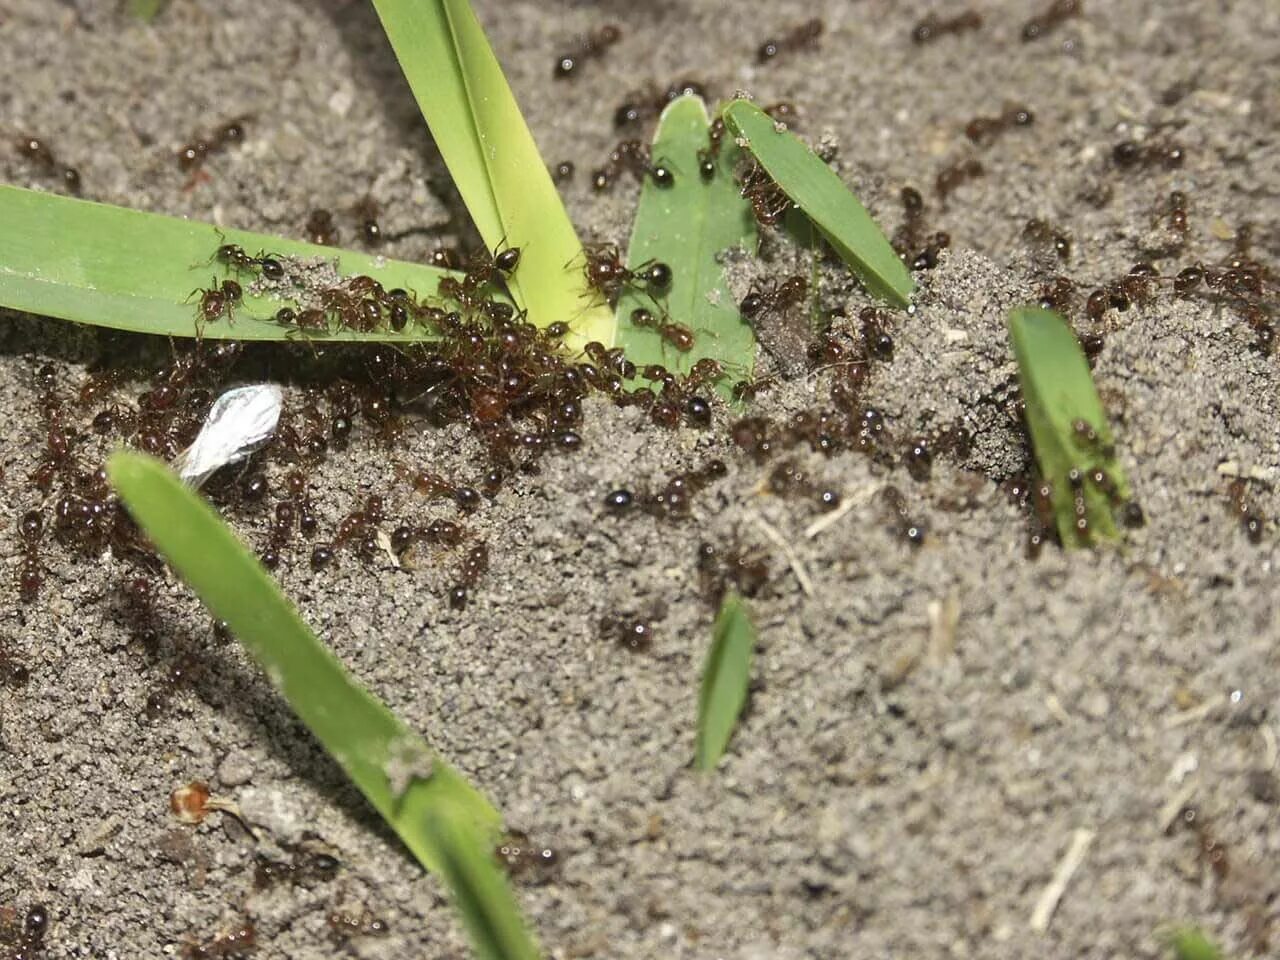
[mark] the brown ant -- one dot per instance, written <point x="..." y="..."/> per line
<point x="802" y="37"/>
<point x="788" y="479"/>
<point x="304" y="867"/>
<point x="1251" y="521"/>
<point x="629" y="631"/>
<point x="931" y="27"/>
<point x="674" y="334"/>
<point x="37" y="152"/>
<point x="1042" y="232"/>
<point x="745" y="569"/>
<point x="607" y="275"/>
<point x="194" y="153"/>
<point x="773" y="297"/>
<point x="343" y="926"/>
<point x="643" y="106"/>
<point x="28" y="939"/>
<point x="217" y="301"/>
<point x="474" y="565"/>
<point x="1058" y="12"/>
<point x="234" y="944"/>
<point x="632" y="156"/>
<point x="320" y="228"/>
<point x="520" y="858"/>
<point x="984" y="130"/>
<point x="31" y="575"/>
<point x="366" y="212"/>
<point x="955" y="175"/>
<point x="590" y="47"/>
<point x="1129" y="154"/>
<point x="768" y="202"/>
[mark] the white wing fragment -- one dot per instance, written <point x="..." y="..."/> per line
<point x="239" y="422"/>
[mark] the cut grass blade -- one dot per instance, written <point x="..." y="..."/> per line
<point x="378" y="752"/>
<point x="1069" y="429"/>
<point x="113" y="267"/>
<point x="724" y="680"/>
<point x="821" y="195"/>
<point x="480" y="893"/>
<point x="687" y="225"/>
<point x="493" y="158"/>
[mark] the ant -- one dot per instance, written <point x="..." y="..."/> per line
<point x="1251" y="521"/>
<point x="36" y="151"/>
<point x="632" y="155"/>
<point x="802" y="37"/>
<point x="1042" y="232"/>
<point x="787" y="479"/>
<point x="194" y="153"/>
<point x="642" y="106"/>
<point x="1129" y="154"/>
<point x="773" y="297"/>
<point x="228" y="946"/>
<point x="607" y="275"/>
<point x="932" y="26"/>
<point x="1058" y="12"/>
<point x="746" y="569"/>
<point x="366" y="211"/>
<point x="630" y="631"/>
<point x="895" y="507"/>
<point x="217" y="301"/>
<point x="590" y="47"/>
<point x="675" y="334"/>
<point x="768" y="202"/>
<point x="984" y="130"/>
<point x="29" y="938"/>
<point x="320" y="228"/>
<point x="1175" y="208"/>
<point x="305" y="867"/>
<point x="955" y="175"/>
<point x="365" y="924"/>
<point x="519" y="857"/>
<point x="474" y="565"/>
<point x="30" y="532"/>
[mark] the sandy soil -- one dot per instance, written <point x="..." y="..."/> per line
<point x="897" y="788"/>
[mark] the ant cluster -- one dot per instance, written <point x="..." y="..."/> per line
<point x="631" y="156"/>
<point x="984" y="130"/>
<point x="38" y="153"/>
<point x="194" y="153"/>
<point x="27" y="937"/>
<point x="931" y="27"/>
<point x="590" y="47"/>
<point x="1058" y="12"/>
<point x="918" y="251"/>
<point x="804" y="36"/>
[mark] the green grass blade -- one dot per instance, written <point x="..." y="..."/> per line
<point x="1191" y="944"/>
<point x="480" y="893"/>
<point x="821" y="195"/>
<point x="686" y="226"/>
<point x="113" y="267"/>
<point x="362" y="735"/>
<point x="493" y="158"/>
<point x="1059" y="394"/>
<point x="724" y="680"/>
<point x="146" y="10"/>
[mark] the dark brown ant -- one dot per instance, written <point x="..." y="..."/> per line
<point x="320" y="228"/>
<point x="233" y="945"/>
<point x="1041" y="232"/>
<point x="521" y="858"/>
<point x="769" y="203"/>
<point x="645" y="105"/>
<point x="1058" y="12"/>
<point x="773" y="297"/>
<point x="1175" y="209"/>
<point x="590" y="47"/>
<point x="1058" y="295"/>
<point x="984" y="130"/>
<point x="563" y="172"/>
<point x="895" y="506"/>
<point x="745" y="569"/>
<point x="31" y="574"/>
<point x="675" y="334"/>
<point x="474" y="565"/>
<point x="366" y="212"/>
<point x="876" y="339"/>
<point x="632" y="632"/>
<point x="303" y="868"/>
<point x="1251" y="521"/>
<point x="932" y="26"/>
<point x="27" y="938"/>
<point x="788" y="479"/>
<point x="955" y="175"/>
<point x="607" y="275"/>
<point x="1129" y="154"/>
<point x="1211" y="850"/>
<point x="194" y="153"/>
<point x="632" y="156"/>
<point x="38" y="153"/>
<point x="802" y="37"/>
<point x="217" y="301"/>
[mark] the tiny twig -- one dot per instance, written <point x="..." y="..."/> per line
<point x="797" y="567"/>
<point x="1067" y="867"/>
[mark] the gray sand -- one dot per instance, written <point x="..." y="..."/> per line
<point x="895" y="789"/>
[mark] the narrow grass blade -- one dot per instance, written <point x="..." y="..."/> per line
<point x="393" y="767"/>
<point x="493" y="158"/>
<point x="1191" y="944"/>
<point x="480" y="893"/>
<point x="1069" y="429"/>
<point x="724" y="680"/>
<point x="113" y="267"/>
<point x="686" y="226"/>
<point x="821" y="195"/>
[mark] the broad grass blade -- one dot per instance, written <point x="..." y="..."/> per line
<point x="821" y="195"/>
<point x="392" y="765"/>
<point x="687" y="226"/>
<point x="493" y="158"/>
<point x="113" y="267"/>
<point x="1062" y="406"/>
<point x="724" y="680"/>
